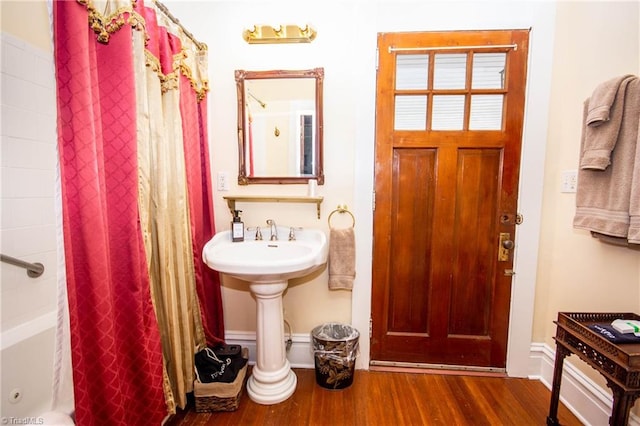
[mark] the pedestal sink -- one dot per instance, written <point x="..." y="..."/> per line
<point x="268" y="266"/>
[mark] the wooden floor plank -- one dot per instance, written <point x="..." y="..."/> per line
<point x="395" y="398"/>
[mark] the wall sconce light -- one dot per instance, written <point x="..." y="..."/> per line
<point x="264" y="34"/>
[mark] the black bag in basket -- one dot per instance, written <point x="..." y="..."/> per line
<point x="211" y="367"/>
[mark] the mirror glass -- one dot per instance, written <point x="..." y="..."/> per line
<point x="280" y="126"/>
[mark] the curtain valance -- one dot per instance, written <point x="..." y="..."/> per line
<point x="106" y="17"/>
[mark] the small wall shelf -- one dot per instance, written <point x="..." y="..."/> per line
<point x="232" y="199"/>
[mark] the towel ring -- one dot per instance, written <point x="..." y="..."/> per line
<point x="342" y="209"/>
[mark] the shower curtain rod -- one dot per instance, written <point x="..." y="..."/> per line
<point x="34" y="270"/>
<point x="175" y="20"/>
<point x="495" y="46"/>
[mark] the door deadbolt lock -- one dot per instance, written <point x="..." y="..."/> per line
<point x="511" y="219"/>
<point x="506" y="245"/>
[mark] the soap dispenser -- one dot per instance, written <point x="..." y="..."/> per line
<point x="237" y="227"/>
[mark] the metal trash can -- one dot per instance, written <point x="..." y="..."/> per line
<point x="335" y="348"/>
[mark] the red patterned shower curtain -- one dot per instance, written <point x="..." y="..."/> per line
<point x="118" y="367"/>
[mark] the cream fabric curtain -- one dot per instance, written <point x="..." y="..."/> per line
<point x="165" y="220"/>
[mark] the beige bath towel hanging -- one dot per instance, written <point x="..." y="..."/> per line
<point x="603" y="121"/>
<point x="608" y="193"/>
<point x="633" y="236"/>
<point x="601" y="101"/>
<point x="342" y="258"/>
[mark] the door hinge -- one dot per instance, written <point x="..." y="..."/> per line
<point x="377" y="58"/>
<point x="370" y="327"/>
<point x="373" y="201"/>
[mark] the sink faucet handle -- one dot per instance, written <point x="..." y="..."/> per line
<point x="258" y="236"/>
<point x="292" y="232"/>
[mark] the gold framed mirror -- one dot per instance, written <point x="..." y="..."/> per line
<point x="280" y="126"/>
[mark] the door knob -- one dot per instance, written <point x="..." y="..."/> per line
<point x="506" y="244"/>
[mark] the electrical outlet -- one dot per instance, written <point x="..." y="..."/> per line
<point x="223" y="181"/>
<point x="569" y="181"/>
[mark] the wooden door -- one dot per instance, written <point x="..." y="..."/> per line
<point x="449" y="113"/>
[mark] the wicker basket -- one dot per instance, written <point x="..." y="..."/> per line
<point x="220" y="396"/>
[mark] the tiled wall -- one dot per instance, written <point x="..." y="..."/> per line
<point x="27" y="226"/>
<point x="28" y="174"/>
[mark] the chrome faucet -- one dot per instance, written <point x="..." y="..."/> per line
<point x="274" y="229"/>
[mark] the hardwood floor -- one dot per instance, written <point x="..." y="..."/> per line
<point x="386" y="398"/>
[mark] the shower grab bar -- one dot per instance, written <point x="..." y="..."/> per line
<point x="34" y="270"/>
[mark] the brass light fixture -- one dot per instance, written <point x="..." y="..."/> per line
<point x="265" y="34"/>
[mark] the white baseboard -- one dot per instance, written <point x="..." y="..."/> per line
<point x="300" y="355"/>
<point x="588" y="401"/>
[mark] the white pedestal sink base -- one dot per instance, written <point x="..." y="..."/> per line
<point x="272" y="380"/>
<point x="267" y="266"/>
<point x="271" y="393"/>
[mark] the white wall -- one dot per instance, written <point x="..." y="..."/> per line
<point x="595" y="41"/>
<point x="307" y="302"/>
<point x="28" y="177"/>
<point x="346" y="47"/>
<point x="577" y="272"/>
<point x="27" y="228"/>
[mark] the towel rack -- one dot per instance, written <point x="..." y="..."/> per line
<point x="342" y="209"/>
<point x="34" y="270"/>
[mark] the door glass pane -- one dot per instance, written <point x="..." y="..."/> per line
<point x="488" y="71"/>
<point x="412" y="71"/>
<point x="450" y="71"/>
<point x="486" y="112"/>
<point x="448" y="112"/>
<point x="410" y="113"/>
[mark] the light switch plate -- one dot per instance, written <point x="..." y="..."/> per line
<point x="569" y="181"/>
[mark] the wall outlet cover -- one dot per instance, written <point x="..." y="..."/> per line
<point x="223" y="181"/>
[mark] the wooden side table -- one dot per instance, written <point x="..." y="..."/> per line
<point x="618" y="363"/>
